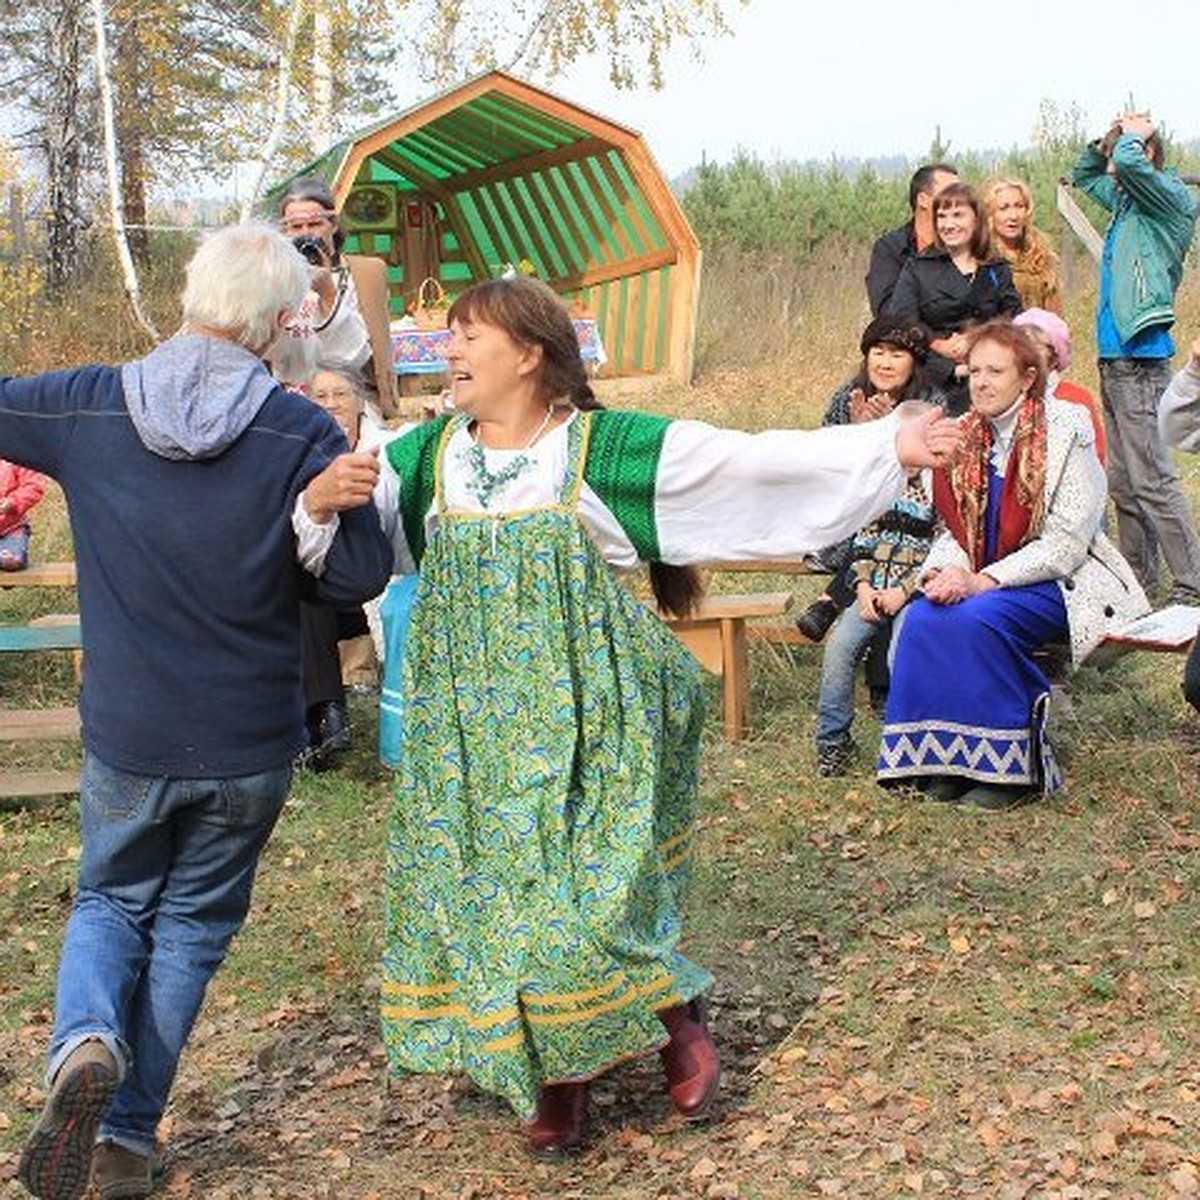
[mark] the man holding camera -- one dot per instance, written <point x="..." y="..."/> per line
<point x="345" y="319"/>
<point x="1153" y="217"/>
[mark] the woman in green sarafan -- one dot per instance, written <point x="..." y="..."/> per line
<point x="541" y="838"/>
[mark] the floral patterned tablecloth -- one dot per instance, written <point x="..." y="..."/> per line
<point x="423" y="351"/>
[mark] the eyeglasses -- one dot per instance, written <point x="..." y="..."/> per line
<point x="338" y="395"/>
<point x="309" y="221"/>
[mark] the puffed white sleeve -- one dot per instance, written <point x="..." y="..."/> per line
<point x="313" y="540"/>
<point x="724" y="494"/>
<point x="1179" y="410"/>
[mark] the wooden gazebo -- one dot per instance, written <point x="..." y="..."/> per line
<point x="498" y="173"/>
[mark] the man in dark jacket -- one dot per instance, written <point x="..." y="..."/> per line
<point x="894" y="249"/>
<point x="184" y="473"/>
<point x="1153" y="218"/>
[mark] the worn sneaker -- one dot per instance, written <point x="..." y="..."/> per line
<point x="119" y="1173"/>
<point x="815" y="620"/>
<point x="57" y="1158"/>
<point x="835" y="758"/>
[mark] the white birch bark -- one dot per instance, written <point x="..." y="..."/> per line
<point x="116" y="208"/>
<point x="321" y="135"/>
<point x="283" y="89"/>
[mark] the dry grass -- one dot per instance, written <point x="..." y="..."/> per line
<point x="912" y="1000"/>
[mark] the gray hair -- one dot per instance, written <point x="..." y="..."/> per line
<point x="240" y="278"/>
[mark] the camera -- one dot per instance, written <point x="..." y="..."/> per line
<point x="312" y="248"/>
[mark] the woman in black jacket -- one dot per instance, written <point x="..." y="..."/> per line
<point x="956" y="283"/>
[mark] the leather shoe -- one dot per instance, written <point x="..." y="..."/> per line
<point x="561" y="1120"/>
<point x="690" y="1059"/>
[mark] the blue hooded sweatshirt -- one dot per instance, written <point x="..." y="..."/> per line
<point x="181" y="472"/>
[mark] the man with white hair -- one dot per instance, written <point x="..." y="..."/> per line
<point x="185" y="474"/>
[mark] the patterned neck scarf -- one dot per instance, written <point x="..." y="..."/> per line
<point x="960" y="491"/>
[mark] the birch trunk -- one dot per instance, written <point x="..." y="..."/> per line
<point x="322" y="78"/>
<point x="62" y="147"/>
<point x="128" y="270"/>
<point x="283" y="88"/>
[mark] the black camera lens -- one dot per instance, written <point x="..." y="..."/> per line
<point x="311" y="247"/>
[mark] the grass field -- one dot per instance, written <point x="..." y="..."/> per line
<point x="912" y="1000"/>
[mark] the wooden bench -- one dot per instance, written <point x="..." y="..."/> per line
<point x="48" y="574"/>
<point x="716" y="633"/>
<point x="778" y="633"/>
<point x="55" y="631"/>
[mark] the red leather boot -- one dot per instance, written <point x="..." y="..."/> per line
<point x="561" y="1120"/>
<point x="690" y="1059"/>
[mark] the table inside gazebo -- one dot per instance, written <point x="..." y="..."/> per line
<point x="417" y="351"/>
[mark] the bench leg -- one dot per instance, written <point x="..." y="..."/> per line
<point x="735" y="690"/>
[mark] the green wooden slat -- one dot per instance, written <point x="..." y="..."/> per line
<point x="519" y="219"/>
<point x="603" y="185"/>
<point x="613" y="251"/>
<point x="472" y="216"/>
<point x="573" y="198"/>
<point x="19" y="638"/>
<point x="549" y="235"/>
<point x="654" y="230"/>
<point x="574" y="255"/>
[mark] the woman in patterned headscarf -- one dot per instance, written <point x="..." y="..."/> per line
<point x="1023" y="564"/>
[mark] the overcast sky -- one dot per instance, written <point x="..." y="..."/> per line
<point x="806" y="79"/>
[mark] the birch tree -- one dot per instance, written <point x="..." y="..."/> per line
<point x="116" y="209"/>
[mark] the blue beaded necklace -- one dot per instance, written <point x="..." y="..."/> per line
<point x="483" y="483"/>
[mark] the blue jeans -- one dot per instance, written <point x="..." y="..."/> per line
<point x="844" y="648"/>
<point x="14" y="549"/>
<point x="1153" y="513"/>
<point x="164" y="883"/>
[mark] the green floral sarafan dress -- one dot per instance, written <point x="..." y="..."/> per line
<point x="540" y="841"/>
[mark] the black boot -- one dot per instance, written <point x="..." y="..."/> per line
<point x="328" y="734"/>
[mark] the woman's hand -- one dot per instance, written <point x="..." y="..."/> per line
<point x="346" y="483"/>
<point x="926" y="440"/>
<point x="868" y="408"/>
<point x="951" y="585"/>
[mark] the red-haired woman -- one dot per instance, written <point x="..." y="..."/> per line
<point x="1023" y="563"/>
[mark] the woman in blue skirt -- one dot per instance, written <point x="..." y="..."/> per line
<point x="1023" y="564"/>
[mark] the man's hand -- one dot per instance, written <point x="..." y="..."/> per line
<point x="927" y="440"/>
<point x="953" y="346"/>
<point x="889" y="601"/>
<point x="1137" y="123"/>
<point x="346" y="483"/>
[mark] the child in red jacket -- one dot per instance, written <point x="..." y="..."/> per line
<point x="20" y="490"/>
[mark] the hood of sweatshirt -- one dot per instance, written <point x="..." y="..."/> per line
<point x="194" y="396"/>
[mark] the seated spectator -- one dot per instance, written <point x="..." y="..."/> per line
<point x="895" y="248"/>
<point x="324" y="629"/>
<point x="1023" y="563"/>
<point x="1179" y="426"/>
<point x="1052" y="335"/>
<point x="1009" y="207"/>
<point x="956" y="283"/>
<point x="20" y="490"/>
<point x="884" y="559"/>
<point x="892" y="371"/>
